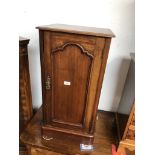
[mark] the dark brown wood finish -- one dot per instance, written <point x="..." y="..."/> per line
<point x="25" y="100"/>
<point x="104" y="137"/>
<point x="73" y="64"/>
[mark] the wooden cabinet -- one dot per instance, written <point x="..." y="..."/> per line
<point x="73" y="61"/>
<point x="128" y="138"/>
<point x="129" y="132"/>
<point x="25" y="100"/>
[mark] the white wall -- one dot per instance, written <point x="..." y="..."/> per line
<point x="116" y="15"/>
<point x="128" y="95"/>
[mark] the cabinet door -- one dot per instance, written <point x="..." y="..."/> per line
<point x="72" y="70"/>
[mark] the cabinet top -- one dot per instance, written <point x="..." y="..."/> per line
<point x="92" y="31"/>
<point x="23" y="40"/>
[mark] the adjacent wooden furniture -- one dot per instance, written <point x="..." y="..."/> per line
<point x="25" y="101"/>
<point x="128" y="138"/>
<point x="104" y="137"/>
<point x="73" y="61"/>
<point x="125" y="117"/>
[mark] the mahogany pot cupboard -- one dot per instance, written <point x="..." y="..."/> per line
<point x="73" y="61"/>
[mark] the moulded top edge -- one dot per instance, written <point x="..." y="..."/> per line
<point x="23" y="39"/>
<point x="93" y="31"/>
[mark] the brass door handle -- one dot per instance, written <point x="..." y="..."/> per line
<point x="48" y="83"/>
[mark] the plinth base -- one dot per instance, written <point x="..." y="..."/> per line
<point x="50" y="132"/>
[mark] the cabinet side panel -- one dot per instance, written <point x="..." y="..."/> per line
<point x="104" y="57"/>
<point x="97" y="71"/>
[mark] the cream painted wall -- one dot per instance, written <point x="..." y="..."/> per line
<point x="116" y="15"/>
